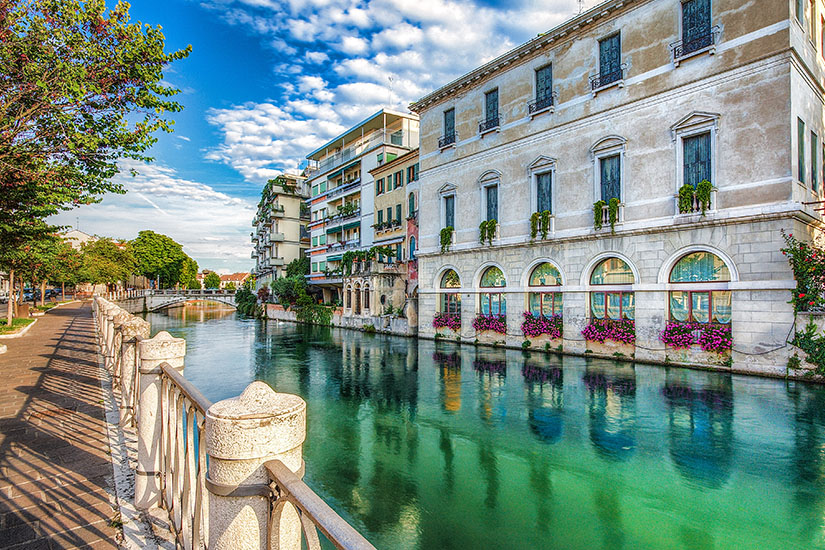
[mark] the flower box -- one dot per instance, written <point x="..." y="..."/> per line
<point x="611" y="348"/>
<point x="447" y="321"/>
<point x="543" y="332"/>
<point x="492" y="323"/>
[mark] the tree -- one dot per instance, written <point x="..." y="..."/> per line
<point x="159" y="258"/>
<point x="189" y="273"/>
<point x="67" y="268"/>
<point x="230" y="286"/>
<point x="263" y="293"/>
<point x="81" y="88"/>
<point x="298" y="266"/>
<point x="287" y="290"/>
<point x="249" y="283"/>
<point x="107" y="262"/>
<point x="212" y="280"/>
<point x="194" y="284"/>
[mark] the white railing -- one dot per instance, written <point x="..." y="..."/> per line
<point x="191" y="452"/>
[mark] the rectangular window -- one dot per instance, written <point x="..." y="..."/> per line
<point x="379" y="186"/>
<point x="822" y="36"/>
<point x="449" y="211"/>
<point x="380" y="216"/>
<point x="696" y="30"/>
<point x="380" y="158"/>
<point x="610" y="53"/>
<point x="492" y="202"/>
<point x="812" y="21"/>
<point x="544" y="82"/>
<point x="398" y="212"/>
<point x="814" y="168"/>
<point x="314" y="241"/>
<point x="315" y="267"/>
<point x="314" y="190"/>
<point x="398" y="252"/>
<point x="800" y="11"/>
<point x="697" y="161"/>
<point x="449" y="124"/>
<point x="800" y="149"/>
<point x="543" y="192"/>
<point x="322" y="266"/>
<point x="399" y="179"/>
<point x="389" y="214"/>
<point x="322" y="240"/>
<point x="611" y="178"/>
<point x="391" y="157"/>
<point x="491" y="108"/>
<point x="323" y="187"/>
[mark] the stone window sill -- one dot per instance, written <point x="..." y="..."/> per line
<point x="616" y="84"/>
<point x="549" y="109"/>
<point x="710" y="50"/>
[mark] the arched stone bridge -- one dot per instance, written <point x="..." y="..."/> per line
<point x="154" y="300"/>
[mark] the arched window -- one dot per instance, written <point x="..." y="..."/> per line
<point x="411" y="201"/>
<point x="367" y="298"/>
<point x="618" y="302"/>
<point x="357" y="308"/>
<point x="700" y="306"/>
<point x="450" y="301"/>
<point x="492" y="302"/>
<point x="348" y="302"/>
<point x="412" y="248"/>
<point x="545" y="302"/>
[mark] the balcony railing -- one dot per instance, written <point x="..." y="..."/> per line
<point x="339" y="246"/>
<point x="344" y="188"/>
<point x="446" y="140"/>
<point x="606" y="79"/>
<point x="398" y="138"/>
<point x="276" y="262"/>
<point x="487" y="125"/>
<point x="277" y="237"/>
<point x="696" y="204"/>
<point x="694" y="43"/>
<point x="338" y="219"/>
<point x="540" y="104"/>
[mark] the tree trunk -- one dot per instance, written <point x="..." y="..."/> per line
<point x="43" y="293"/>
<point x="63" y="292"/>
<point x="10" y="304"/>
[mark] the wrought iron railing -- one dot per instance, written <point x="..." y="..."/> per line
<point x="488" y="124"/>
<point x="446" y="139"/>
<point x="540" y="104"/>
<point x="605" y="79"/>
<point x="694" y="43"/>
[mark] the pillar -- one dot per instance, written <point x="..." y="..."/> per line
<point x="133" y="329"/>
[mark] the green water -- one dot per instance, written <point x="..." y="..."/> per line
<point x="433" y="445"/>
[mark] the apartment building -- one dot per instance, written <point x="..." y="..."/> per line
<point x="343" y="191"/>
<point x="628" y="170"/>
<point x="281" y="233"/>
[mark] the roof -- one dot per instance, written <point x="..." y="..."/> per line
<point x="584" y="19"/>
<point x="235" y="277"/>
<point x="372" y="122"/>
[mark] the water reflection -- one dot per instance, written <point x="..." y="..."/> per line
<point x="426" y="444"/>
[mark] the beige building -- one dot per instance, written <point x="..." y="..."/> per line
<point x="568" y="156"/>
<point x="280" y="234"/>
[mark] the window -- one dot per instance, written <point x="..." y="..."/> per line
<point x="314" y="241"/>
<point x="412" y="173"/>
<point x="800" y="11"/>
<point x="449" y="211"/>
<point x="822" y="36"/>
<point x="490" y="111"/>
<point x="696" y="30"/>
<point x="696" y="157"/>
<point x="315" y="267"/>
<point x="812" y="22"/>
<point x="380" y="217"/>
<point x="348" y="303"/>
<point x="411" y="203"/>
<point x="491" y="201"/>
<point x="542" y="302"/>
<point x="800" y="149"/>
<point x="389" y="214"/>
<point x="367" y="298"/>
<point x="391" y="157"/>
<point x="412" y="247"/>
<point x="322" y="239"/>
<point x="450" y="301"/>
<point x="314" y="190"/>
<point x="610" y="53"/>
<point x="544" y="192"/>
<point x="610" y="178"/>
<point x="544" y="89"/>
<point x="700" y="306"/>
<point x="398" y="254"/>
<point x="380" y="158"/>
<point x="322" y="266"/>
<point x="492" y="302"/>
<point x="323" y="187"/>
<point x="379" y="186"/>
<point x="617" y="303"/>
<point x="399" y="179"/>
<point x="398" y="213"/>
<point x="449" y="128"/>
<point x="814" y="168"/>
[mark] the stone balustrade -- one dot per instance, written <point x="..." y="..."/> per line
<point x="227" y="473"/>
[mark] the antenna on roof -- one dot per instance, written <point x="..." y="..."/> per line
<point x="581" y="5"/>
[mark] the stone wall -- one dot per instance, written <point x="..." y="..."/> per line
<point x="384" y="323"/>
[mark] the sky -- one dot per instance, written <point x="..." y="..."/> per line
<point x="269" y="81"/>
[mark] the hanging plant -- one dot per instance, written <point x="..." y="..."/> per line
<point x="446" y="239"/>
<point x="598" y="206"/>
<point x="545" y="224"/>
<point x="534" y="225"/>
<point x="482" y="232"/>
<point x="346" y="262"/>
<point x="686" y="193"/>
<point x="491" y="231"/>
<point x="613" y="212"/>
<point x="703" y="189"/>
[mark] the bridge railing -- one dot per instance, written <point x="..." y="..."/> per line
<point x="228" y="473"/>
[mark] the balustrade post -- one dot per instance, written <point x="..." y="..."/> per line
<point x="163" y="348"/>
<point x="109" y="336"/>
<point x="120" y="319"/>
<point x="131" y="330"/>
<point x="242" y="434"/>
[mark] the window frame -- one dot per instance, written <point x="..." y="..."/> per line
<point x="502" y="298"/>
<point x="690" y="318"/>
<point x="608" y="147"/>
<point x="695" y="123"/>
<point x="449" y="295"/>
<point x="814" y="163"/>
<point x="620" y="294"/>
<point x="801" y="165"/>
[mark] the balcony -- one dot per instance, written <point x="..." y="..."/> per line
<point x="353" y="185"/>
<point x="276" y="262"/>
<point x="695" y="44"/>
<point x="398" y="138"/>
<point x="276" y="237"/>
<point x="338" y="219"/>
<point x="254" y="254"/>
<point x="340" y="247"/>
<point x="387" y="226"/>
<point x="446" y="140"/>
<point x="488" y="125"/>
<point x="695" y="207"/>
<point x="541" y="104"/>
<point x="278" y="211"/>
<point x="605" y="80"/>
<point x="606" y="217"/>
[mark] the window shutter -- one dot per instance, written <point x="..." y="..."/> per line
<point x="449" y="122"/>
<point x="610" y="178"/>
<point x="543" y="188"/>
<point x="491" y="104"/>
<point x="492" y="202"/>
<point x="697" y="161"/>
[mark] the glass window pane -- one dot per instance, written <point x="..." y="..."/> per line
<point x="697" y="163"/>
<point x="535" y="303"/>
<point x="612" y="271"/>
<point x="547" y="304"/>
<point x="544" y="82"/>
<point x="558" y="303"/>
<point x="721" y="307"/>
<point x="597" y="304"/>
<point x="613" y="301"/>
<point x="449" y="211"/>
<point x="628" y="306"/>
<point x="450" y="280"/>
<point x="492" y="202"/>
<point x="449" y="122"/>
<point x="679" y="308"/>
<point x="543" y="192"/>
<point x="610" y="178"/>
<point x="800" y="149"/>
<point x="545" y="275"/>
<point x="493" y="277"/>
<point x="700" y="303"/>
<point x="485" y="303"/>
<point x="700" y="267"/>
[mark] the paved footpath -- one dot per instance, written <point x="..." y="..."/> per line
<point x="55" y="468"/>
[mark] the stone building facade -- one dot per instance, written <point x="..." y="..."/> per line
<point x="638" y="101"/>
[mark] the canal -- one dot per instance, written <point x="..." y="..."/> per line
<point x="430" y="445"/>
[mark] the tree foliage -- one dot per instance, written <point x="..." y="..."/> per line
<point x="106" y="261"/>
<point x="159" y="258"/>
<point x="287" y="290"/>
<point x="298" y="267"/>
<point x="81" y="88"/>
<point x="212" y="280"/>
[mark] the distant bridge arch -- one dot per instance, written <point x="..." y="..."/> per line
<point x="156" y="300"/>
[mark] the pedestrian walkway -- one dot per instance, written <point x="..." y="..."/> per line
<point x="56" y="488"/>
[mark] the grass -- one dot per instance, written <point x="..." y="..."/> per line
<point x="16" y="324"/>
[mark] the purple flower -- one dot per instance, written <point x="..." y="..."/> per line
<point x="711" y="337"/>
<point x="448" y="320"/>
<point x="496" y="323"/>
<point x="618" y="330"/>
<point x="536" y="325"/>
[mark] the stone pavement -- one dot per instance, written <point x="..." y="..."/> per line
<point x="56" y="488"/>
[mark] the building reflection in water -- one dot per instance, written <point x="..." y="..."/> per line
<point x="448" y="363"/>
<point x="491" y="368"/>
<point x="544" y="387"/>
<point x="612" y="408"/>
<point x="700" y="427"/>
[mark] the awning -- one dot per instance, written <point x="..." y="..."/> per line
<point x="331" y="230"/>
<point x="337" y="173"/>
<point x="388" y="242"/>
<point x="352" y="225"/>
<point x="335" y="258"/>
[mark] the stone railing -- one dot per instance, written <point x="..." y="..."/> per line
<point x="227" y="473"/>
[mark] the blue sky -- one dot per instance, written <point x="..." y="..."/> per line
<point x="269" y="81"/>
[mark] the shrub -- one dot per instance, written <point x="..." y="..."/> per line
<point x="599" y="330"/>
<point x="496" y="323"/>
<point x="536" y="325"/>
<point x="447" y="320"/>
<point x="446" y="237"/>
<point x="686" y="193"/>
<point x="368" y="328"/>
<point x="808" y="266"/>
